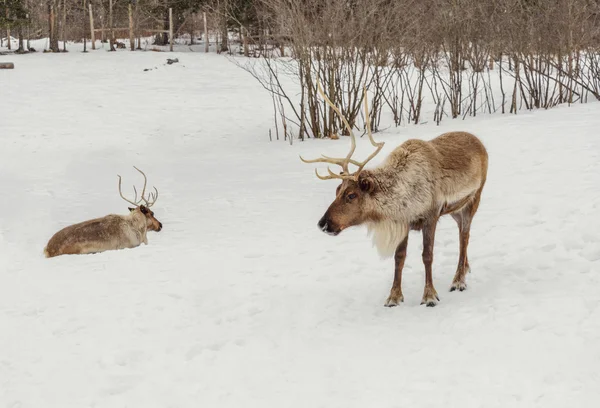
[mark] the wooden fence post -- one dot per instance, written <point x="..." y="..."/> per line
<point x="92" y="27"/>
<point x="171" y="29"/>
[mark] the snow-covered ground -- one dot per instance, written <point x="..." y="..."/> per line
<point x="241" y="301"/>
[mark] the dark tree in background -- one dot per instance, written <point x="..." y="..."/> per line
<point x="13" y="19"/>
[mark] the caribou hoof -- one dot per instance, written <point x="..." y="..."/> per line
<point x="430" y="297"/>
<point x="393" y="301"/>
<point x="430" y="302"/>
<point x="458" y="286"/>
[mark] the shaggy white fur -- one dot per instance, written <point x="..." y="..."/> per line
<point x="387" y="235"/>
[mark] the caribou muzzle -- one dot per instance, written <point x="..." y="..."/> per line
<point x="327" y="226"/>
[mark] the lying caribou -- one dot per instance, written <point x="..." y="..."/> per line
<point x="109" y="232"/>
<point x="418" y="182"/>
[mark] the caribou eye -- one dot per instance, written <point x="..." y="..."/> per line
<point x="351" y="196"/>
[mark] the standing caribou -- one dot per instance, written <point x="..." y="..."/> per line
<point x="109" y="232"/>
<point x="416" y="184"/>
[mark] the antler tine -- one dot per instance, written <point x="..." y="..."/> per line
<point x="152" y="198"/>
<point x="379" y="145"/>
<point x="342" y="162"/>
<point x="123" y="197"/>
<point x="352" y="161"/>
<point x="346" y="124"/>
<point x="332" y="175"/>
<point x="145" y="181"/>
<point x="368" y="121"/>
<point x="330" y="160"/>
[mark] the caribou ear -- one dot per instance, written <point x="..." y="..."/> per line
<point x="143" y="209"/>
<point x="366" y="184"/>
<point x="131" y="209"/>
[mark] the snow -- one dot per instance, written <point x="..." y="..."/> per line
<point x="241" y="301"/>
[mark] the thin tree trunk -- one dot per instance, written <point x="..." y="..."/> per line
<point x="84" y="27"/>
<point x="171" y="39"/>
<point x="165" y="35"/>
<point x="205" y="32"/>
<point x="223" y="27"/>
<point x="1" y="38"/>
<point x="246" y="47"/>
<point x="28" y="31"/>
<point x="7" y="27"/>
<point x="192" y="29"/>
<point x="55" y="17"/>
<point x="110" y="25"/>
<point x="64" y="25"/>
<point x="103" y="26"/>
<point x="131" y="34"/>
<point x="137" y="27"/>
<point x="92" y="33"/>
<point x="20" y="30"/>
<point x="52" y="26"/>
<point x="224" y="42"/>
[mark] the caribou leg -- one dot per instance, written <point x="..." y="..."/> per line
<point x="430" y="296"/>
<point x="396" y="296"/>
<point x="463" y="218"/>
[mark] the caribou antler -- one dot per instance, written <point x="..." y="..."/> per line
<point x="134" y="202"/>
<point x="344" y="162"/>
<point x="149" y="201"/>
<point x="152" y="199"/>
<point x="379" y="145"/>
